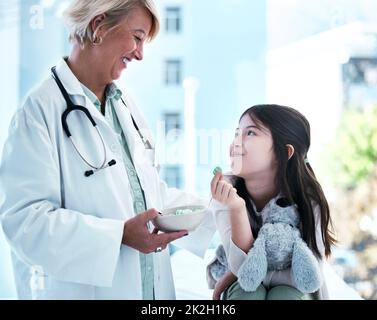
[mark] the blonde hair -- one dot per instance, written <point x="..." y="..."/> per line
<point x="80" y="13"/>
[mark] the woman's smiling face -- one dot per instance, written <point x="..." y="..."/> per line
<point x="251" y="152"/>
<point x="124" y="43"/>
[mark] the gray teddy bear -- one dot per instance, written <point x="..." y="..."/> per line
<point x="278" y="246"/>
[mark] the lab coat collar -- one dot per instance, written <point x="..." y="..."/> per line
<point x="74" y="89"/>
<point x="124" y="108"/>
<point x="70" y="82"/>
<point x="125" y="120"/>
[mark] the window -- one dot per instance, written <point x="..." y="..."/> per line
<point x="9" y="14"/>
<point x="172" y="121"/>
<point x="173" y="73"/>
<point x="173" y="22"/>
<point x="173" y="176"/>
<point x="359" y="81"/>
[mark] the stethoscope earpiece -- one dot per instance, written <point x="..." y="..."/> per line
<point x="88" y="173"/>
<point x="112" y="162"/>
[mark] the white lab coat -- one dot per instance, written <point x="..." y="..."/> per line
<point x="65" y="229"/>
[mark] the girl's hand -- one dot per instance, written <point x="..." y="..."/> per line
<point x="224" y="192"/>
<point x="224" y="282"/>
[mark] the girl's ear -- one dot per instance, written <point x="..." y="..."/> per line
<point x="291" y="151"/>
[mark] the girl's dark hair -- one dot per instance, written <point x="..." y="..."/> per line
<point x="295" y="177"/>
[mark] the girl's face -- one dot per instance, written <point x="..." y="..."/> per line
<point x="252" y="152"/>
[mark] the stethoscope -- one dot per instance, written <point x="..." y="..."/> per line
<point x="72" y="107"/>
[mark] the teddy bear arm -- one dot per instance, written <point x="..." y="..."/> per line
<point x="305" y="268"/>
<point x="254" y="268"/>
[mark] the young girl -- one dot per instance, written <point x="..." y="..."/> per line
<point x="269" y="167"/>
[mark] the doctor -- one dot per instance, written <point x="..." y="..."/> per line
<point x="78" y="186"/>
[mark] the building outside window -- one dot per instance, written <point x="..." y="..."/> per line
<point x="173" y="72"/>
<point x="172" y="121"/>
<point x="173" y="20"/>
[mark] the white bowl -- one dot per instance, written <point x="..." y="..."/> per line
<point x="169" y="221"/>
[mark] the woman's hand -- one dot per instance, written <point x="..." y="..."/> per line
<point x="226" y="194"/>
<point x="136" y="234"/>
<point x="224" y="282"/>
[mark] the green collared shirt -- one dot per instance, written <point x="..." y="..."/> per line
<point x="113" y="94"/>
